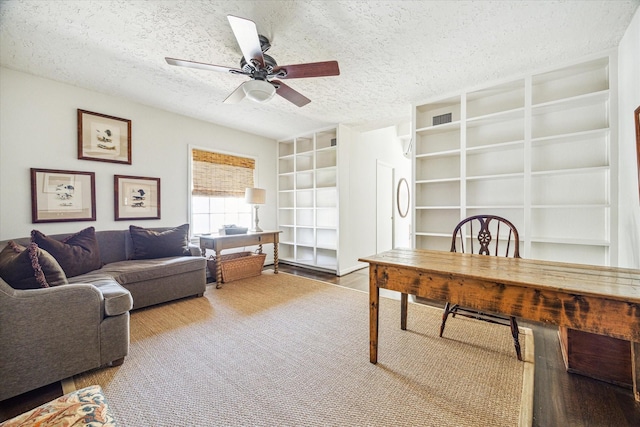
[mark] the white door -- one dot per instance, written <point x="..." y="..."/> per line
<point x="384" y="207"/>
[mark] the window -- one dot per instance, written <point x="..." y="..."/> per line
<point x="209" y="214"/>
<point x="217" y="195"/>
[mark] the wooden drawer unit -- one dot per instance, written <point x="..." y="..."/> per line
<point x="597" y="356"/>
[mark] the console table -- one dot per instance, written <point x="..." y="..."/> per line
<point x="600" y="300"/>
<point x="220" y="242"/>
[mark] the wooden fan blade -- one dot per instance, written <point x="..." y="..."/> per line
<point x="247" y="36"/>
<point x="312" y="69"/>
<point x="290" y="94"/>
<point x="235" y="96"/>
<point x="202" y="66"/>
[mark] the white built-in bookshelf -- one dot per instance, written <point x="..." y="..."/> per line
<point x="539" y="151"/>
<point x="308" y="200"/>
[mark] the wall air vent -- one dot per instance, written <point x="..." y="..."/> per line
<point x="441" y="119"/>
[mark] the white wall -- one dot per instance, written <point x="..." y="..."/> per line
<point x="365" y="150"/>
<point x="628" y="101"/>
<point x="38" y="130"/>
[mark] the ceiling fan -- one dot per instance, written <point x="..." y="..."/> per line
<point x="263" y="69"/>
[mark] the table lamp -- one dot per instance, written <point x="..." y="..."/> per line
<point x="255" y="197"/>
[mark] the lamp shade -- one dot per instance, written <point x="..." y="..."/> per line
<point x="259" y="90"/>
<point x="255" y="196"/>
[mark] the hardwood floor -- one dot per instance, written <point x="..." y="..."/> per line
<point x="560" y="398"/>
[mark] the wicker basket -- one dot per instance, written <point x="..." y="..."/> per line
<point x="238" y="265"/>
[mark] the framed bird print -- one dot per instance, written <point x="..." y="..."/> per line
<point x="103" y="138"/>
<point x="136" y="197"/>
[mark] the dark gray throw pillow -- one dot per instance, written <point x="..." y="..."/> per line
<point x="29" y="268"/>
<point x="77" y="254"/>
<point x="149" y="244"/>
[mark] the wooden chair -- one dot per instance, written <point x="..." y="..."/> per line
<point x="484" y="235"/>
<point x="481" y="234"/>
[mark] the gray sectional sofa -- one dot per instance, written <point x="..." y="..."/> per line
<point x="150" y="281"/>
<point x="54" y="332"/>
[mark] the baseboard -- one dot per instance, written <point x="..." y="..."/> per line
<point x="307" y="266"/>
<point x="356" y="267"/>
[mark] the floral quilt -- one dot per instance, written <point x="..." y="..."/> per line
<point x="85" y="407"/>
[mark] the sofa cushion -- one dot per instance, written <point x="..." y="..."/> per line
<point x="113" y="245"/>
<point x="76" y="254"/>
<point x="30" y="267"/>
<point x="134" y="271"/>
<point x="148" y="244"/>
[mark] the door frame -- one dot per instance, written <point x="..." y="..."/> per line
<point x="379" y="164"/>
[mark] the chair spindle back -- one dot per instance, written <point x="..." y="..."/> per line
<point x="487" y="238"/>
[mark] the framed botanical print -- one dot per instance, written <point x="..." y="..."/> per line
<point x="103" y="138"/>
<point x="136" y="197"/>
<point x="59" y="195"/>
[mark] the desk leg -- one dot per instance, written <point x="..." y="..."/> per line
<point x="275" y="258"/>
<point x="374" y="300"/>
<point x="218" y="271"/>
<point x="403" y="310"/>
<point x="635" y="369"/>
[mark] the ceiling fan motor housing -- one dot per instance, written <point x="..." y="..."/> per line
<point x="269" y="65"/>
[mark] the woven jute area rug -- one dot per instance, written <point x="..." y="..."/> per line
<point x="281" y="350"/>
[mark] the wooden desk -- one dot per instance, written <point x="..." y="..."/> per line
<point x="218" y="243"/>
<point x="601" y="300"/>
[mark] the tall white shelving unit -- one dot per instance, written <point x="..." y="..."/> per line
<point x="540" y="151"/>
<point x="308" y="200"/>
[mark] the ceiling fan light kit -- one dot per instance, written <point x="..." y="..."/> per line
<point x="261" y="68"/>
<point x="259" y="90"/>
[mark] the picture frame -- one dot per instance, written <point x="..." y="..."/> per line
<point x="103" y="138"/>
<point x="61" y="195"/>
<point x="136" y="197"/>
<point x="636" y="115"/>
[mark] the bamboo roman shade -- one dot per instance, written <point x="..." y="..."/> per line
<point x="221" y="175"/>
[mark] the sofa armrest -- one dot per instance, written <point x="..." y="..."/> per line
<point x="47" y="334"/>
<point x="47" y="330"/>
<point x="117" y="300"/>
<point x="63" y="299"/>
<point x="195" y="250"/>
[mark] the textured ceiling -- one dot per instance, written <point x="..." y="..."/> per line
<point x="391" y="53"/>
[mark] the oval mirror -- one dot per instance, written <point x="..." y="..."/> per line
<point x="402" y="197"/>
